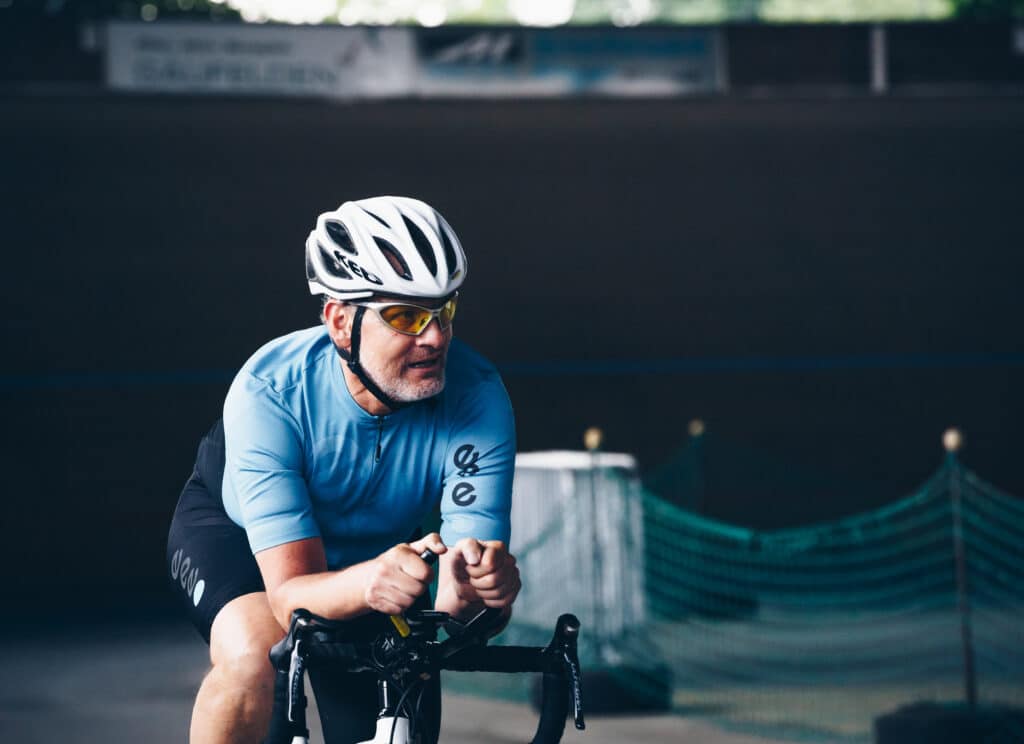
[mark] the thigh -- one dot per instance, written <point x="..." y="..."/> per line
<point x="208" y="568"/>
<point x="348" y="705"/>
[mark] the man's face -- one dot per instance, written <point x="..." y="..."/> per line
<point x="406" y="368"/>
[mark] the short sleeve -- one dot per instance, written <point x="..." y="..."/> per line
<point x="264" y="466"/>
<point x="479" y="465"/>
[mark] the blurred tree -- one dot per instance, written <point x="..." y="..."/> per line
<point x="80" y="10"/>
<point x="619" y="12"/>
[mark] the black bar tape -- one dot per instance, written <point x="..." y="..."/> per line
<point x="509" y="659"/>
<point x="554" y="708"/>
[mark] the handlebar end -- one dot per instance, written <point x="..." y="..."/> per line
<point x="568" y="625"/>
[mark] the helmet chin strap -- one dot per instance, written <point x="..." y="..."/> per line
<point x="351" y="358"/>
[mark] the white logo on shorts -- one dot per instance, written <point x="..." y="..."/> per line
<point x="183" y="572"/>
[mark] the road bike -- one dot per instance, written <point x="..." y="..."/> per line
<point x="406" y="655"/>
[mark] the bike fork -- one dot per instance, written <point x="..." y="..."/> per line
<point x="392" y="728"/>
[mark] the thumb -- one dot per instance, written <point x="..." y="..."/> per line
<point x="430" y="542"/>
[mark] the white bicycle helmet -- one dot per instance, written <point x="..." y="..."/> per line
<point x="386" y="245"/>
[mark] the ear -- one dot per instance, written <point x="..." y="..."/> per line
<point x="338" y="319"/>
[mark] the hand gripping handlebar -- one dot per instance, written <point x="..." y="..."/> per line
<point x="408" y="649"/>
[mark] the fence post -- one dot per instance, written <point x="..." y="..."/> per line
<point x="952" y="440"/>
<point x="593" y="437"/>
<point x="696" y="431"/>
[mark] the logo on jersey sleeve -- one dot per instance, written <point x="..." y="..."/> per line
<point x="463" y="494"/>
<point x="465" y="460"/>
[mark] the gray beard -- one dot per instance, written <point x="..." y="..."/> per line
<point x="406" y="392"/>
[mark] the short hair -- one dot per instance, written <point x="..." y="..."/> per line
<point x="324" y="299"/>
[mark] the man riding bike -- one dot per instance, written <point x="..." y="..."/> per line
<point x="336" y="442"/>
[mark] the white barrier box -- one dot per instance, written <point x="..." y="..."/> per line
<point x="577" y="532"/>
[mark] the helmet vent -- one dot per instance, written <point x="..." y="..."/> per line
<point x="340" y="236"/>
<point x="380" y="220"/>
<point x="449" y="254"/>
<point x="394" y="258"/>
<point x="423" y="246"/>
<point x="331" y="262"/>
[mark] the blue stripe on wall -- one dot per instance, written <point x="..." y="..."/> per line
<point x="550" y="368"/>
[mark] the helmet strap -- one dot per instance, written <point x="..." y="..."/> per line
<point x="351" y="358"/>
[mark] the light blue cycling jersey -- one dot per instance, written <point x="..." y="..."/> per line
<point x="304" y="460"/>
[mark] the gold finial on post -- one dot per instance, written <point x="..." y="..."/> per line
<point x="952" y="440"/>
<point x="696" y="428"/>
<point x="592" y="438"/>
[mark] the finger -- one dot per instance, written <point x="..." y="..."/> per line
<point x="495" y="593"/>
<point x="503" y="601"/>
<point x="506" y="594"/>
<point x="430" y="542"/>
<point x="408" y="561"/>
<point x="495" y="583"/>
<point x="495" y="559"/>
<point x="413" y="575"/>
<point x="489" y="581"/>
<point x="384" y="607"/>
<point x="388" y="607"/>
<point x="470" y="550"/>
<point x="391" y="601"/>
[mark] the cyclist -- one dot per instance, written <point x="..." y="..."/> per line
<point x="336" y="442"/>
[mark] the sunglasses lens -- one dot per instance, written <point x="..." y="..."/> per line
<point x="406" y="318"/>
<point x="447" y="314"/>
<point x="412" y="320"/>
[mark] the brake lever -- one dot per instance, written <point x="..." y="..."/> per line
<point x="288" y="656"/>
<point x="567" y="631"/>
<point x="575" y="683"/>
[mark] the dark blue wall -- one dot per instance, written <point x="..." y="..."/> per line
<point x="829" y="283"/>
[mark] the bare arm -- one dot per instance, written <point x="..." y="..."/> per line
<point x="295" y="575"/>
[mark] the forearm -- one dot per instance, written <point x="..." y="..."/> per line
<point x="338" y="595"/>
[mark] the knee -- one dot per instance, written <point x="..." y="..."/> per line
<point x="236" y="695"/>
<point x="248" y="670"/>
<point x="240" y="641"/>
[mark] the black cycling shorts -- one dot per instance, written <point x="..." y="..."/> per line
<point x="210" y="563"/>
<point x="208" y="555"/>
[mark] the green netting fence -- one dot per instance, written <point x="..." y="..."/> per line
<point x="802" y="634"/>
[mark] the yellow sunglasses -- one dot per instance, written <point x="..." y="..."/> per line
<point x="412" y="320"/>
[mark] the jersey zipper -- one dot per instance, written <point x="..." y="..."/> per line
<point x="380" y="434"/>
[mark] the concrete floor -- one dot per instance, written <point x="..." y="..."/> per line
<point x="136" y="683"/>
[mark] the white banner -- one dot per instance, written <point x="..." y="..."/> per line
<point x="342" y="62"/>
<point x="260" y="59"/>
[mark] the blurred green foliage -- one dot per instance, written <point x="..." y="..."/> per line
<point x="619" y="12"/>
<point x="988" y="10"/>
